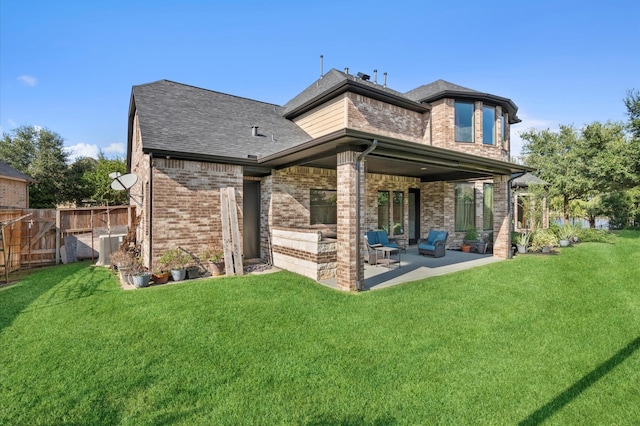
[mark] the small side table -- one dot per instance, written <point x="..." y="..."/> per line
<point x="386" y="256"/>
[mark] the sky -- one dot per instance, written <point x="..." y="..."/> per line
<point x="69" y="66"/>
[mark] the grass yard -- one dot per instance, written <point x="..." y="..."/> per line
<point x="553" y="339"/>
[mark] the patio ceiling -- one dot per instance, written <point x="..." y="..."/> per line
<point x="393" y="157"/>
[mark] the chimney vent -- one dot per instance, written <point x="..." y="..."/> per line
<point x="346" y="70"/>
<point x="375" y="76"/>
<point x="385" y="80"/>
<point x="254" y="130"/>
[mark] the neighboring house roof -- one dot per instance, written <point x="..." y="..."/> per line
<point x="443" y="89"/>
<point x="11" y="173"/>
<point x="527" y="179"/>
<point x="176" y="117"/>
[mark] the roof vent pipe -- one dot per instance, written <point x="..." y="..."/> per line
<point x="321" y="67"/>
<point x="385" y="80"/>
<point x="375" y="76"/>
<point x="254" y="130"/>
<point x="346" y="71"/>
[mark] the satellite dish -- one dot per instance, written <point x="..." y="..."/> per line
<point x="114" y="175"/>
<point x="124" y="182"/>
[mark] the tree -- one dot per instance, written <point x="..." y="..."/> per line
<point x="38" y="153"/>
<point x="80" y="189"/>
<point x="555" y="157"/>
<point x="98" y="182"/>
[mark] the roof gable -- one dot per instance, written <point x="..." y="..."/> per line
<point x="11" y="173"/>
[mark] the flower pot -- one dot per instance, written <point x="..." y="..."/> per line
<point x="160" y="278"/>
<point x="546" y="249"/>
<point x="124" y="273"/>
<point x="193" y="272"/>
<point x="481" y="248"/>
<point x="465" y="249"/>
<point x="140" y="280"/>
<point x="564" y="243"/>
<point x="178" y="274"/>
<point x="522" y="249"/>
<point x="216" y="268"/>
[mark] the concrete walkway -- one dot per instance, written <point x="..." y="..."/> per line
<point x="415" y="267"/>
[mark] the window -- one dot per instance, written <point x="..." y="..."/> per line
<point x="464" y="206"/>
<point x="464" y="121"/>
<point x="323" y="206"/>
<point x="488" y="125"/>
<point x="398" y="212"/>
<point x="383" y="210"/>
<point x="487" y="207"/>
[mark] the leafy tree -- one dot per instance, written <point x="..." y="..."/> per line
<point x="556" y="158"/>
<point x="38" y="153"/>
<point x="79" y="189"/>
<point x="632" y="102"/>
<point x="98" y="182"/>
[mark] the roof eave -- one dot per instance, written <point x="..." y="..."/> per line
<point x="360" y="89"/>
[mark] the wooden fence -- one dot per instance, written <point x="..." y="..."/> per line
<point x="36" y="239"/>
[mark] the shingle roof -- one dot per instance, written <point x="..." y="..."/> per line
<point x="432" y="90"/>
<point x="8" y="171"/>
<point x="527" y="179"/>
<point x="187" y="119"/>
<point x="328" y="83"/>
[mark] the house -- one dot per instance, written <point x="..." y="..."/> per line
<point x="344" y="155"/>
<point x="14" y="187"/>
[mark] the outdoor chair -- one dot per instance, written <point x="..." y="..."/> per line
<point x="375" y="239"/>
<point x="434" y="245"/>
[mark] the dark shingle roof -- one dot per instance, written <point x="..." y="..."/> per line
<point x="331" y="81"/>
<point x="181" y="118"/>
<point x="527" y="179"/>
<point x="437" y="88"/>
<point x="8" y="171"/>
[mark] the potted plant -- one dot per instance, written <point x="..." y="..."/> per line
<point x="470" y="239"/>
<point x="565" y="234"/>
<point x="176" y="260"/>
<point x="124" y="263"/>
<point x="522" y="241"/>
<point x="215" y="261"/>
<point x="193" y="271"/>
<point x="543" y="240"/>
<point x="160" y="274"/>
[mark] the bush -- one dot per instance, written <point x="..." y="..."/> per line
<point x="543" y="238"/>
<point x="594" y="235"/>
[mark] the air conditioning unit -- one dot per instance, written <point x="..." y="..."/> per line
<point x="108" y="244"/>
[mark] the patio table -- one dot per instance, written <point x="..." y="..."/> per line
<point x="386" y="256"/>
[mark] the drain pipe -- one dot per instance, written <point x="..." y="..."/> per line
<point x="359" y="158"/>
<point x="509" y="200"/>
<point x="150" y="206"/>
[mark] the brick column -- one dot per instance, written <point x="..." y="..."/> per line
<point x="347" y="272"/>
<point x="501" y="217"/>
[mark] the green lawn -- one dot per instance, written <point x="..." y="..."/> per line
<point x="551" y="339"/>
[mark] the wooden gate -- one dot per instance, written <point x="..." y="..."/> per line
<point x="36" y="238"/>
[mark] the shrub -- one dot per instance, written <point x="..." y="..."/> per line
<point x="522" y="239"/>
<point x="543" y="238"/>
<point x="595" y="235"/>
<point x="175" y="259"/>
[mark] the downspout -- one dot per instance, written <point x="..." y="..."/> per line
<point x="150" y="204"/>
<point x="359" y="158"/>
<point x="509" y="200"/>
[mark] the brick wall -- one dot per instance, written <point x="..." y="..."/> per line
<point x="14" y="193"/>
<point x="374" y="116"/>
<point x="443" y="131"/>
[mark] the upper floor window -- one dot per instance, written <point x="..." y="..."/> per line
<point x="464" y="121"/>
<point x="488" y="125"/>
<point x="324" y="206"/>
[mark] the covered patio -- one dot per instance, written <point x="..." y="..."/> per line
<point x="415" y="267"/>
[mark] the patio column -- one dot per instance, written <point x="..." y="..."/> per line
<point x="501" y="217"/>
<point x="348" y="274"/>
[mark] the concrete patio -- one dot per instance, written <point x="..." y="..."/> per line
<point x="415" y="267"/>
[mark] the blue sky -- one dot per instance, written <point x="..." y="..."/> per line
<point x="70" y="65"/>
